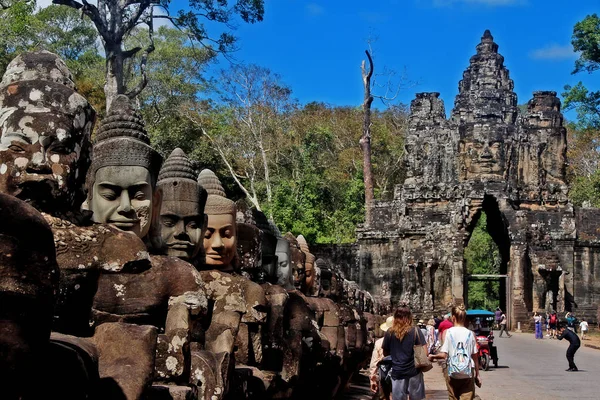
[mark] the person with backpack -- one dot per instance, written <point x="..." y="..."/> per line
<point x="462" y="358"/>
<point x="399" y="342"/>
<point x="377" y="371"/>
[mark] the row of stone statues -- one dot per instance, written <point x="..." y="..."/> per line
<point x="140" y="279"/>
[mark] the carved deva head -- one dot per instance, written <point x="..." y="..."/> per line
<point x="297" y="261"/>
<point x="121" y="182"/>
<point x="309" y="267"/>
<point x="45" y="128"/>
<point x="285" y="273"/>
<point x="182" y="210"/>
<point x="29" y="278"/>
<point x="220" y="239"/>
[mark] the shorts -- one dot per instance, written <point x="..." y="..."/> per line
<point x="552" y="325"/>
<point x="413" y="387"/>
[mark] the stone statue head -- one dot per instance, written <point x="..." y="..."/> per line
<point x="268" y="245"/>
<point x="309" y="266"/>
<point x="29" y="278"/>
<point x="182" y="211"/>
<point x="285" y="275"/>
<point x="249" y="246"/>
<point x="220" y="239"/>
<point x="326" y="278"/>
<point x="297" y="261"/>
<point x="122" y="179"/>
<point x="45" y="128"/>
<point x="482" y="151"/>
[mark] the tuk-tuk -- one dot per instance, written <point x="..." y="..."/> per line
<point x="481" y="322"/>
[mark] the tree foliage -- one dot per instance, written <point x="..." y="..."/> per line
<point x="584" y="132"/>
<point x="116" y="20"/>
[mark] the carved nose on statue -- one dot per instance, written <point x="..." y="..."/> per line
<point x="38" y="165"/>
<point x="180" y="232"/>
<point x="217" y="242"/>
<point x="125" y="204"/>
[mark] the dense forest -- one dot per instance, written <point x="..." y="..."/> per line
<point x="299" y="163"/>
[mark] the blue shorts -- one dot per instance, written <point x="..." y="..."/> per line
<point x="413" y="386"/>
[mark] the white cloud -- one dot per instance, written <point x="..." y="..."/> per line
<point x="489" y="3"/>
<point x="315" y="9"/>
<point x="553" y="52"/>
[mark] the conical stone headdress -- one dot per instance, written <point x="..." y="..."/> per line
<point x="122" y="140"/>
<point x="217" y="202"/>
<point x="178" y="180"/>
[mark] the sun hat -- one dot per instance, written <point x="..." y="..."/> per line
<point x="421" y="321"/>
<point x="387" y="324"/>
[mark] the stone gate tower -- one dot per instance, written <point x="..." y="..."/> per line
<point x="488" y="156"/>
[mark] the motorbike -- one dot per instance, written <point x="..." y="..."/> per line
<point x="488" y="353"/>
<point x="480" y="321"/>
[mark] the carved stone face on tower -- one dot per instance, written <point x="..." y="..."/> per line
<point x="220" y="239"/>
<point x="483" y="155"/>
<point x="45" y="128"/>
<point x="182" y="211"/>
<point x="28" y="284"/>
<point x="124" y="171"/>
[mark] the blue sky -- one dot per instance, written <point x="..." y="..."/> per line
<point x="317" y="46"/>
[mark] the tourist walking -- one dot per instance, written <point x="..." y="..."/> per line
<point x="445" y="324"/>
<point x="503" y="329"/>
<point x="379" y="384"/>
<point x="537" y="320"/>
<point x="571" y="321"/>
<point x="574" y="344"/>
<point x="430" y="337"/>
<point x="583" y="327"/>
<point x="460" y="353"/>
<point x="399" y="342"/>
<point x="498" y="314"/>
<point x="553" y="323"/>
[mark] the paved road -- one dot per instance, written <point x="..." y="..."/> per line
<point x="533" y="369"/>
<point x="528" y="369"/>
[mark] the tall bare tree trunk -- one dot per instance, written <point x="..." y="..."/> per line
<point x="365" y="139"/>
<point x="114" y="72"/>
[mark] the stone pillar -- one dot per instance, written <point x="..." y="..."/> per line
<point x="516" y="309"/>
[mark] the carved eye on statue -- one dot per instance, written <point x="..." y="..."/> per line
<point x="139" y="195"/>
<point x="192" y="225"/>
<point x="61" y="149"/>
<point x="16" y="148"/>
<point x="108" y="194"/>
<point x="168" y="221"/>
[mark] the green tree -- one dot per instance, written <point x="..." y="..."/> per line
<point x="116" y="20"/>
<point x="586" y="40"/>
<point x="482" y="256"/>
<point x="16" y="24"/>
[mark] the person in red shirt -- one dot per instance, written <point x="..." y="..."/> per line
<point x="445" y="324"/>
